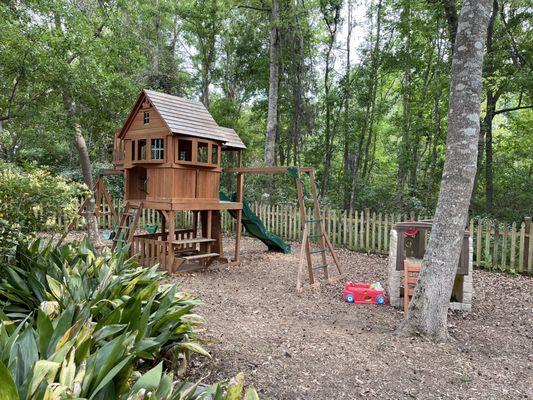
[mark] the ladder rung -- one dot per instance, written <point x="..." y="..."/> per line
<point x="315" y="236"/>
<point x="317" y="251"/>
<point x="321" y="266"/>
<point x="314" y="220"/>
<point x="123" y="227"/>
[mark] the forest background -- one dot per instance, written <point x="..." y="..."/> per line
<point x="358" y="90"/>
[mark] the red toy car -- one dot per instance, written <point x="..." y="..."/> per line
<point x="364" y="293"/>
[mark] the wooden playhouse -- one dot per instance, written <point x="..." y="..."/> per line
<point x="170" y="152"/>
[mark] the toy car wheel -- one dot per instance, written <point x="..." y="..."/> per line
<point x="350" y="298"/>
<point x="380" y="299"/>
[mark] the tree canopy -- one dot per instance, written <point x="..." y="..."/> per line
<point x="362" y="89"/>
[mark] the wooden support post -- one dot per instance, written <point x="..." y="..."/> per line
<point x="317" y="216"/>
<point x="238" y="227"/>
<point x="306" y="249"/>
<point x="170" y="246"/>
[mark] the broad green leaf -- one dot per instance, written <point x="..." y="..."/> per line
<point x="8" y="390"/>
<point x="235" y="387"/>
<point x="42" y="370"/>
<point x="55" y="287"/>
<point x="194" y="347"/>
<point x="150" y="380"/>
<point x="251" y="394"/>
<point x="110" y="375"/>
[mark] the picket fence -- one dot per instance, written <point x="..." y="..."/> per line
<point x="497" y="246"/>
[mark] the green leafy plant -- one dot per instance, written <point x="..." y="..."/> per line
<point x="30" y="201"/>
<point x="66" y="309"/>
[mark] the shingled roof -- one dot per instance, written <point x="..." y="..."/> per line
<point x="188" y="117"/>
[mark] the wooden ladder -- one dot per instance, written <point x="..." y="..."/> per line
<point x="99" y="194"/>
<point x="127" y="225"/>
<point x="314" y="229"/>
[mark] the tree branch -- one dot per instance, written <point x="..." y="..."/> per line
<point x="504" y="110"/>
<point x="254" y="7"/>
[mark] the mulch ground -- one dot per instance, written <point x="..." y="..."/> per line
<point x="314" y="346"/>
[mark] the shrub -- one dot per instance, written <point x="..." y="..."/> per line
<point x="73" y="325"/>
<point x="31" y="200"/>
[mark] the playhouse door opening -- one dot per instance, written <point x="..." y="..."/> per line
<point x="138" y="183"/>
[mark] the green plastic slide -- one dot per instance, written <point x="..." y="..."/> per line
<point x="255" y="227"/>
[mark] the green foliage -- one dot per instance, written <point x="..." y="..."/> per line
<point x="30" y="201"/>
<point x="74" y="325"/>
<point x="67" y="64"/>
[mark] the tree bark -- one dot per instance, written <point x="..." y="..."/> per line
<point x="85" y="161"/>
<point x="428" y="310"/>
<point x="272" y="117"/>
<point x="450" y="11"/>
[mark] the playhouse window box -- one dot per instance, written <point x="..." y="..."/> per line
<point x="197" y="152"/>
<point x="148" y="150"/>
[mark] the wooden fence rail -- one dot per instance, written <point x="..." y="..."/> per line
<point x="497" y="246"/>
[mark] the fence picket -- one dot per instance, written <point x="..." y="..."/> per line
<point x="497" y="245"/>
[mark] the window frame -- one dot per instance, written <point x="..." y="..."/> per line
<point x="193" y="151"/>
<point x="207" y="156"/>
<point x="160" y="150"/>
<point x="146" y="117"/>
<point x="135" y="150"/>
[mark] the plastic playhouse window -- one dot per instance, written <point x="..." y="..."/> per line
<point x="158" y="149"/>
<point x="141" y="149"/>
<point x="184" y="150"/>
<point x="214" y="155"/>
<point x="203" y="152"/>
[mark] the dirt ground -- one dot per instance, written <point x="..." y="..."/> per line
<point x="314" y="346"/>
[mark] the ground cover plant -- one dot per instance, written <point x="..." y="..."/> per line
<point x="74" y="325"/>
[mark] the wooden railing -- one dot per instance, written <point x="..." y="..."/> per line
<point x="152" y="249"/>
<point x="497" y="246"/>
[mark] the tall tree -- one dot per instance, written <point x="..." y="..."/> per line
<point x="331" y="16"/>
<point x="273" y="86"/>
<point x="428" y="310"/>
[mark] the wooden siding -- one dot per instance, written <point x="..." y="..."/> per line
<point x="207" y="186"/>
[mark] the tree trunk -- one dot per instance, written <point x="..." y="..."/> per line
<point x="272" y="118"/>
<point x="85" y="161"/>
<point x="450" y="11"/>
<point x="492" y="99"/>
<point x="428" y="310"/>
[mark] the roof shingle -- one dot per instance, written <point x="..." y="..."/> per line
<point x="191" y="118"/>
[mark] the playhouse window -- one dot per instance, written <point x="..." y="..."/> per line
<point x="184" y="150"/>
<point x="214" y="155"/>
<point x="158" y="149"/>
<point x="203" y="150"/>
<point x="141" y="149"/>
<point x="146" y="117"/>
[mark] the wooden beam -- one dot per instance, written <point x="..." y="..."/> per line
<point x="111" y="172"/>
<point x="265" y="170"/>
<point x="238" y="227"/>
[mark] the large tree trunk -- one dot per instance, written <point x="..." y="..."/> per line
<point x="428" y="310"/>
<point x="272" y="118"/>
